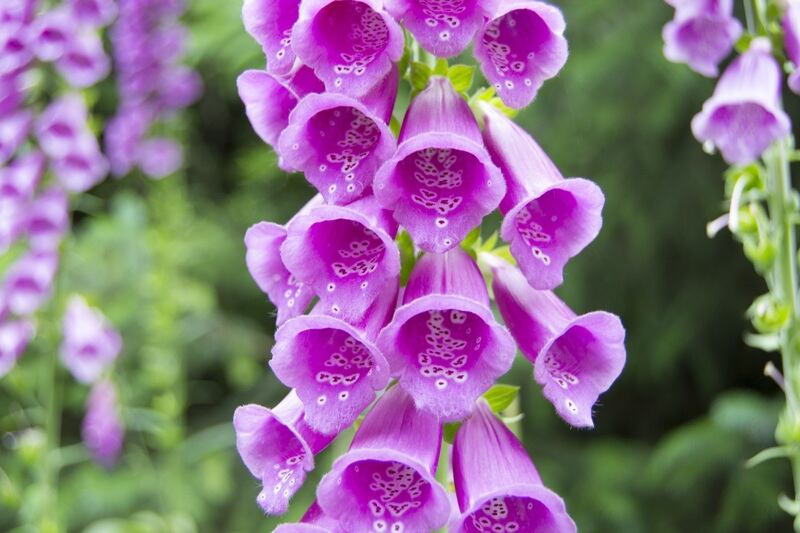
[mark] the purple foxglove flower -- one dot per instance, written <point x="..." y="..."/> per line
<point x="158" y="157"/>
<point x="180" y="88"/>
<point x="791" y="37"/>
<point x="548" y="219"/>
<point x="48" y="219"/>
<point x="335" y="366"/>
<point x="10" y="96"/>
<point x="270" y="23"/>
<point x="576" y="358"/>
<point x="441" y="182"/>
<point x="520" y="48"/>
<point x="338" y="143"/>
<point x="443" y="342"/>
<point x="314" y="521"/>
<point x="28" y="282"/>
<point x="385" y="482"/>
<point x="14" y="130"/>
<point x="497" y="486"/>
<point x="14" y="338"/>
<point x="84" y="62"/>
<point x="61" y="125"/>
<point x="97" y="13"/>
<point x="12" y="225"/>
<point x="350" y="44"/>
<point x="744" y="116"/>
<point x="701" y="34"/>
<point x="91" y="344"/>
<point x="20" y="11"/>
<point x="278" y="448"/>
<point x="268" y="100"/>
<point x="443" y="28"/>
<point x="51" y="34"/>
<point x="347" y="255"/>
<point x="15" y="50"/>
<point x="18" y="179"/>
<point x="289" y="295"/>
<point x="123" y="135"/>
<point x="83" y="167"/>
<point x="102" y="430"/>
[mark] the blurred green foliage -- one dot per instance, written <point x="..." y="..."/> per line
<point x="165" y="261"/>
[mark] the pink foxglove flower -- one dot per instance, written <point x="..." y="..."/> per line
<point x="339" y="142"/>
<point x="19" y="179"/>
<point x="576" y="358"/>
<point x="497" y="486"/>
<point x="91" y="344"/>
<point x="158" y="157"/>
<point x="48" y="219"/>
<point x="278" y="447"/>
<point x="96" y="13"/>
<point x="270" y="23"/>
<point x="443" y="342"/>
<point x="441" y="182"/>
<point x="62" y="125"/>
<point x="84" y="62"/>
<point x="791" y="36"/>
<point x="102" y="430"/>
<point x="385" y="482"/>
<point x="314" y="521"/>
<point x="28" y="282"/>
<point x="520" y="48"/>
<point x="15" y="49"/>
<point x="701" y="34"/>
<point x="14" y="130"/>
<point x="83" y="167"/>
<point x="548" y="219"/>
<point x="268" y="100"/>
<point x="443" y="27"/>
<point x="51" y="34"/>
<point x="334" y="365"/>
<point x="14" y="338"/>
<point x="10" y="96"/>
<point x="350" y="44"/>
<point x="347" y="255"/>
<point x="743" y="116"/>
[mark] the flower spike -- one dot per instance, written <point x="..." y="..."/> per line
<point x="270" y="23"/>
<point x="497" y="486"/>
<point x="335" y="366"/>
<point x="350" y="44"/>
<point x="443" y="342"/>
<point x="102" y="430"/>
<point x="339" y="142"/>
<point x="347" y="255"/>
<point x="91" y="344"/>
<point x="441" y="182"/>
<point x="548" y="219"/>
<point x="520" y="48"/>
<point x="278" y="448"/>
<point x="743" y="116"/>
<point x="386" y="482"/>
<point x="446" y="28"/>
<point x="576" y="358"/>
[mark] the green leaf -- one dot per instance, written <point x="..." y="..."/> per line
<point x="500" y="396"/>
<point x="407" y="256"/>
<point x="419" y="75"/>
<point x="461" y="76"/>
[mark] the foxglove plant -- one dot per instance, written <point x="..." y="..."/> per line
<point x="745" y="120"/>
<point x="380" y="281"/>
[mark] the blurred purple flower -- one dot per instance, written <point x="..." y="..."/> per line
<point x="19" y="179"/>
<point x="385" y="481"/>
<point x="497" y="486"/>
<point x="14" y="339"/>
<point x="158" y="157"/>
<point x="28" y="282"/>
<point x="278" y="447"/>
<point x="83" y="167"/>
<point x="47" y="219"/>
<point x="95" y="13"/>
<point x="102" y="430"/>
<point x="443" y="342"/>
<point x="91" y="344"/>
<point x="791" y="37"/>
<point x="14" y="130"/>
<point x="744" y="116"/>
<point x="51" y="34"/>
<point x="84" y="62"/>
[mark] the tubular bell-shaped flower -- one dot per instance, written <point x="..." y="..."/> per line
<point x="314" y="521"/>
<point x="791" y="37"/>
<point x="62" y="125"/>
<point x="14" y="338"/>
<point x="94" y="13"/>
<point x="548" y="219"/>
<point x="19" y="179"/>
<point x="263" y="242"/>
<point x="346" y="254"/>
<point x="91" y="344"/>
<point x="338" y="142"/>
<point x="497" y="486"/>
<point x="270" y="23"/>
<point x="350" y="44"/>
<point x="443" y="342"/>
<point x="576" y="358"/>
<point x="102" y="430"/>
<point x="701" y="34"/>
<point x="278" y="448"/>
<point x="385" y="482"/>
<point x="84" y="62"/>
<point x="743" y="116"/>
<point x="335" y="366"/>
<point x="269" y="100"/>
<point x="441" y="182"/>
<point x="443" y="27"/>
<point x="520" y="48"/>
<point x="51" y="33"/>
<point x="48" y="219"/>
<point x="14" y="129"/>
<point x="28" y="282"/>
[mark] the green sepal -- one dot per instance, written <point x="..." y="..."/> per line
<point x="500" y="396"/>
<point x="407" y="256"/>
<point x="461" y="76"/>
<point x="419" y="75"/>
<point x="768" y="315"/>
